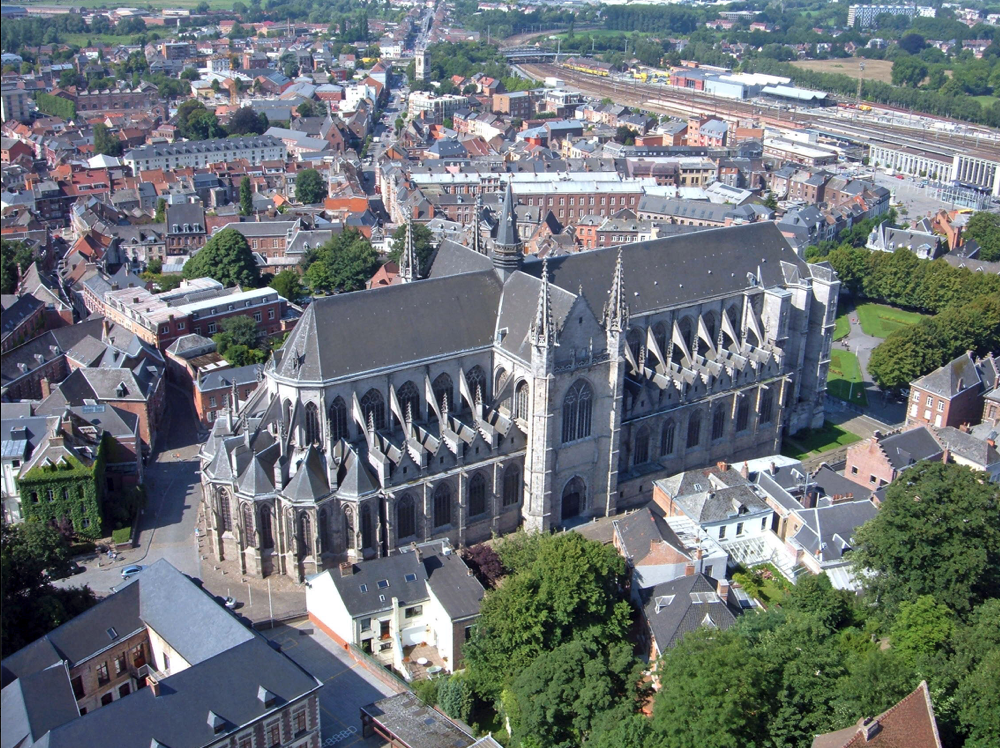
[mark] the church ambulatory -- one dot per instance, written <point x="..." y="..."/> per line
<point x="502" y="391"/>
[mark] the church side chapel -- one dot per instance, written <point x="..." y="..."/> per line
<point x="495" y="391"/>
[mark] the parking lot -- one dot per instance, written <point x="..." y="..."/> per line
<point x="346" y="685"/>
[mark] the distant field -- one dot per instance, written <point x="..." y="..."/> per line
<point x="875" y="70"/>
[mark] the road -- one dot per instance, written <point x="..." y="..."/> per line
<point x="173" y="493"/>
<point x="346" y="685"/>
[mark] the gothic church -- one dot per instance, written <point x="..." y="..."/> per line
<point x="502" y="391"/>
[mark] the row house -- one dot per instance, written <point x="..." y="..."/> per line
<point x="197" y="306"/>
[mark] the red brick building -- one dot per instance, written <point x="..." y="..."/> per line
<point x="953" y="395"/>
<point x="878" y="460"/>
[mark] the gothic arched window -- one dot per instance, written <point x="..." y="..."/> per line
<point x="323" y="529"/>
<point x="367" y="527"/>
<point x="442" y="505"/>
<point x="633" y="339"/>
<point x="766" y="406"/>
<point x="305" y="534"/>
<point x="742" y="415"/>
<point x="312" y="424"/>
<point x="477" y="495"/>
<point x="349" y="528"/>
<point x="667" y="439"/>
<point x="694" y="430"/>
<point x="225" y="511"/>
<point x="718" y="422"/>
<point x="511" y="486"/>
<point x="338" y="420"/>
<point x="640" y="455"/>
<point x="373" y="408"/>
<point x="409" y="398"/>
<point x="443" y="393"/>
<point x="577" y="411"/>
<point x="521" y="408"/>
<point x="248" y="529"/>
<point x="266" y="533"/>
<point x="476" y="379"/>
<point x="660" y="336"/>
<point x="406" y="517"/>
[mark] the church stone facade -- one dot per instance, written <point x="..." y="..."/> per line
<point x="502" y="391"/>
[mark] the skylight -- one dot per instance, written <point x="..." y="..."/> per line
<point x="383" y="584"/>
<point x="410" y="577"/>
<point x="364" y="588"/>
<point x="112" y="634"/>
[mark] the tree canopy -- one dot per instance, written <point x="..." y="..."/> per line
<point x="246" y="197"/>
<point x="344" y="263"/>
<point x="984" y="228"/>
<point x="227" y="258"/>
<point x="288" y="283"/>
<point x="310" y="187"/>
<point x="15" y="259"/>
<point x="105" y="141"/>
<point x="239" y="341"/>
<point x="31" y="554"/>
<point x="954" y="514"/>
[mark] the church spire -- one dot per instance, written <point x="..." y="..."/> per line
<point x="543" y="332"/>
<point x="616" y="310"/>
<point x="477" y="231"/>
<point x="508" y="249"/>
<point x="409" y="266"/>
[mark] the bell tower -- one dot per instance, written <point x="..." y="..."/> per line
<point x="508" y="249"/>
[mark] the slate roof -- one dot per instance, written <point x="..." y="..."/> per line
<point x="360" y="589"/>
<point x="646" y="537"/>
<point x="829" y="527"/>
<point x="309" y="482"/>
<point x="911" y="446"/>
<point x="35" y="704"/>
<point x="951" y="379"/>
<point x="50" y="345"/>
<point x="967" y="446"/>
<point x="453" y="258"/>
<point x="453" y="584"/>
<point x="674" y="608"/>
<point x="698" y="263"/>
<point x="227" y="377"/>
<point x="18" y="312"/>
<point x="388" y="326"/>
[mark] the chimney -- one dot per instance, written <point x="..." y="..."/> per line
<point x="722" y="465"/>
<point x="869" y="728"/>
<point x="723" y="590"/>
<point x="46" y="387"/>
<point x="416" y="550"/>
<point x="689" y="570"/>
<point x="773" y="469"/>
<point x="945" y="455"/>
<point x="154" y="685"/>
<point x="346" y="569"/>
<point x="745" y="471"/>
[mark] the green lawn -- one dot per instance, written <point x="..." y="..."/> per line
<point x="113" y="40"/>
<point x="842" y="328"/>
<point x="815" y="441"/>
<point x="878" y="320"/>
<point x="844" y="378"/>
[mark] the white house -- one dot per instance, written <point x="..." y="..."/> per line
<point x="657" y="551"/>
<point x="423" y="595"/>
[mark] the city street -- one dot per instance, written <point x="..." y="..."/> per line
<point x="173" y="494"/>
<point x="347" y="686"/>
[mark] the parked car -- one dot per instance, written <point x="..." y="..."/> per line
<point x="130" y="571"/>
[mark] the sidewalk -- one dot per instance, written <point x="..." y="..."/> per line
<point x="259" y="600"/>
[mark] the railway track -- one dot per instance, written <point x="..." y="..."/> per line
<point x="685" y="103"/>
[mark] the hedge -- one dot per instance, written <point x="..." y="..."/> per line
<point x="57" y="106"/>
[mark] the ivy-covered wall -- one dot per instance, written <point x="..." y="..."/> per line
<point x="69" y="489"/>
